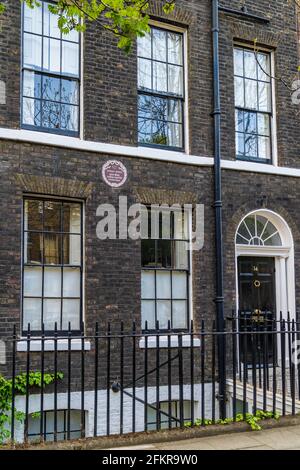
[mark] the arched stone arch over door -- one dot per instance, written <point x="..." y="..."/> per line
<point x="264" y="246"/>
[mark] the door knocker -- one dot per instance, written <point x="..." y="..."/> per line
<point x="257" y="284"/>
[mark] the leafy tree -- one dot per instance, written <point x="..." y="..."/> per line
<point x="125" y="19"/>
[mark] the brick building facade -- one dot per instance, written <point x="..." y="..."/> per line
<point x="261" y="179"/>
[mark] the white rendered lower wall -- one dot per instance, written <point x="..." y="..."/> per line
<point x="89" y="400"/>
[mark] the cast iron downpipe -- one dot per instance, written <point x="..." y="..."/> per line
<point x="218" y="212"/>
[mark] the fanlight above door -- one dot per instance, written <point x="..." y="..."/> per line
<point x="257" y="230"/>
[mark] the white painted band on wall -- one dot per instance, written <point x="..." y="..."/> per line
<point x="43" y="138"/>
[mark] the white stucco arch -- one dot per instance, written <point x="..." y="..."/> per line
<point x="283" y="253"/>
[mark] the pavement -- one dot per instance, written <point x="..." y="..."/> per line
<point x="285" y="438"/>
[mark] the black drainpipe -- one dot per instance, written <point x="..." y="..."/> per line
<point x="218" y="212"/>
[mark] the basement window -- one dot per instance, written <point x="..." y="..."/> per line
<point x="68" y="425"/>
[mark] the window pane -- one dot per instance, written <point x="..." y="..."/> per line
<point x="52" y="216"/>
<point x="251" y="146"/>
<point x="33" y="19"/>
<point x="251" y="94"/>
<point x="263" y="67"/>
<point x="50" y="114"/>
<point x="263" y="123"/>
<point x="175" y="78"/>
<point x="164" y="254"/>
<point x="69" y="117"/>
<point x="175" y="48"/>
<point x="250" y="123"/>
<point x="71" y="313"/>
<point x="163" y="285"/>
<point x="31" y="112"/>
<point x="275" y="240"/>
<point x="160" y="77"/>
<point x="52" y="248"/>
<point x="145" y="106"/>
<point x="71" y="217"/>
<point x="145" y="131"/>
<point x="51" y="88"/>
<point x="239" y="120"/>
<point x="148" y="285"/>
<point x="179" y="285"/>
<point x="33" y="248"/>
<point x="159" y="133"/>
<point x="250" y="64"/>
<point x="32" y="51"/>
<point x="52" y="282"/>
<point x="159" y="108"/>
<point x="264" y="150"/>
<point x="264" y="96"/>
<point x="163" y="313"/>
<point x="175" y="135"/>
<point x="69" y="91"/>
<point x="159" y="45"/>
<point x="50" y="23"/>
<point x="51" y="313"/>
<point x="181" y="255"/>
<point x="144" y="74"/>
<point x="144" y="46"/>
<point x="70" y="58"/>
<point x="32" y="282"/>
<point x="31" y="84"/>
<point x="51" y="55"/>
<point x="239" y="62"/>
<point x="175" y="111"/>
<point x="72" y="250"/>
<point x="33" y="215"/>
<point x="240" y="141"/>
<point x="148" y="314"/>
<point x="32" y="311"/>
<point x="148" y="253"/>
<point x="239" y="92"/>
<point x="179" y="314"/>
<point x="71" y="282"/>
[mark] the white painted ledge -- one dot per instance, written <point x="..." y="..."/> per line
<point x="163" y="342"/>
<point x="62" y="345"/>
<point x="43" y="138"/>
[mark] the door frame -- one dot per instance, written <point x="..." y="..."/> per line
<point x="284" y="276"/>
<point x="284" y="266"/>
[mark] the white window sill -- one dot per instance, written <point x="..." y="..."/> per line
<point x="174" y="343"/>
<point x="62" y="345"/>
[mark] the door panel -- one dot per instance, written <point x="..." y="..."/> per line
<point x="257" y="306"/>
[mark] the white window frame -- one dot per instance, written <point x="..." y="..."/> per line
<point x="184" y="32"/>
<point x="36" y="342"/>
<point x="79" y="134"/>
<point x="186" y="339"/>
<point x="273" y="119"/>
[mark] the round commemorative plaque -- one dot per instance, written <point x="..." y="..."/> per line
<point x="114" y="173"/>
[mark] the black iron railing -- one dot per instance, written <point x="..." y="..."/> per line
<point x="121" y="380"/>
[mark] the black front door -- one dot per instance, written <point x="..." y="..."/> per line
<point x="257" y="306"/>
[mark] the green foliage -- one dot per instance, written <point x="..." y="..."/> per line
<point x="6" y="385"/>
<point x="126" y="19"/>
<point x="252" y="420"/>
